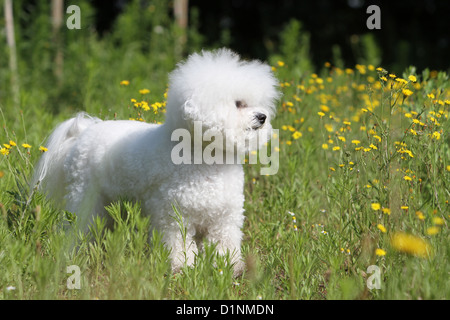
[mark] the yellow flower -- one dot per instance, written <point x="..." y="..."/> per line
<point x="431" y="96"/>
<point x="404" y="207"/>
<point x="375" y="206"/>
<point x="343" y="139"/>
<point x="4" y="151"/>
<point x="438" y="221"/>
<point x="431" y="231"/>
<point x="436" y="135"/>
<point x="336" y="148"/>
<point x="124" y="82"/>
<point x="43" y="149"/>
<point x="380" y="252"/>
<point x="296" y="135"/>
<point x="407" y="178"/>
<point x="410" y="244"/>
<point x="280" y="63"/>
<point x="381" y="228"/>
<point x="321" y="114"/>
<point x="412" y="78"/>
<point x="144" y="91"/>
<point x="420" y="215"/>
<point x="356" y="142"/>
<point x="324" y="108"/>
<point x="26" y="146"/>
<point x="386" y="211"/>
<point x="407" y="92"/>
<point x="406" y="151"/>
<point x="325" y="146"/>
<point x="12" y="143"/>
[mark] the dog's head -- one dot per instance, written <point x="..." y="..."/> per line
<point x="228" y="96"/>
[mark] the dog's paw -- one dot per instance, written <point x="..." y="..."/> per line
<point x="238" y="268"/>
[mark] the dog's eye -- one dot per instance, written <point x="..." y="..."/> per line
<point x="240" y="104"/>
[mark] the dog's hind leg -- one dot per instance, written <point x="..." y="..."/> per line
<point x="85" y="201"/>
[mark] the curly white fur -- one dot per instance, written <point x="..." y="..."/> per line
<point x="91" y="163"/>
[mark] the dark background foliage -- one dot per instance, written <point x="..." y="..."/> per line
<point x="413" y="32"/>
<point x="142" y="40"/>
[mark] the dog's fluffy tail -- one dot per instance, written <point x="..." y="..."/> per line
<point x="51" y="165"/>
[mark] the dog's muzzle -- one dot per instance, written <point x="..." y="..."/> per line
<point x="260" y="119"/>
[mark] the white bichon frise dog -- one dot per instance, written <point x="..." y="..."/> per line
<point x="91" y="163"/>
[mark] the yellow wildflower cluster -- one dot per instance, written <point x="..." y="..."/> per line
<point x="381" y="138"/>
<point x="7" y="148"/>
<point x="141" y="106"/>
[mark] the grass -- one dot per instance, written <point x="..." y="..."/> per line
<point x="362" y="162"/>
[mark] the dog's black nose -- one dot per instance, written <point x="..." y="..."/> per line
<point x="261" y="117"/>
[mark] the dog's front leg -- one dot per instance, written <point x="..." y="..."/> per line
<point x="181" y="244"/>
<point x="228" y="241"/>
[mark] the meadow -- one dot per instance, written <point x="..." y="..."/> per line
<point x="363" y="180"/>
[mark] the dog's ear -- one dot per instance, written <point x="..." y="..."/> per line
<point x="188" y="110"/>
